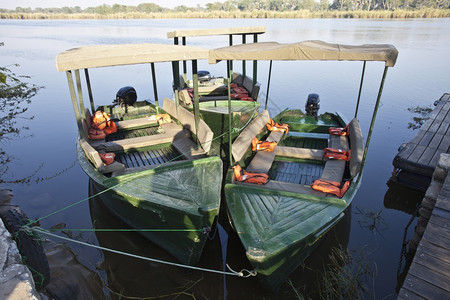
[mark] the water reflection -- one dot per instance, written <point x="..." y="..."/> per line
<point x="125" y="276"/>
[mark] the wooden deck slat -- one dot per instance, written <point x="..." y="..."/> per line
<point x="421" y="154"/>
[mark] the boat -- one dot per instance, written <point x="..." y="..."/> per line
<point x="213" y="91"/>
<point x="155" y="170"/>
<point x="283" y="200"/>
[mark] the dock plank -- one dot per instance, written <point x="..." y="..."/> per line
<point x="421" y="154"/>
<point x="421" y="288"/>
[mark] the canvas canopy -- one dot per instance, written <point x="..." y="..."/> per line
<point x="217" y="31"/>
<point x="307" y="50"/>
<point x="125" y="54"/>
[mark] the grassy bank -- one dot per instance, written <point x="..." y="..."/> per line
<point x="300" y="14"/>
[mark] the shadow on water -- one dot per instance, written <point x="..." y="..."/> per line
<point x="128" y="277"/>
<point x="402" y="198"/>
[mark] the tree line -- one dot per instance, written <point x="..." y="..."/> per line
<point x="250" y="5"/>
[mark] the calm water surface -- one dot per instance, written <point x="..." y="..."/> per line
<point x="419" y="78"/>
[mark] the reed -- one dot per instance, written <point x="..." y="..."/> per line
<point x="236" y="14"/>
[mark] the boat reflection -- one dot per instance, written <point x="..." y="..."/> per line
<point x="124" y="276"/>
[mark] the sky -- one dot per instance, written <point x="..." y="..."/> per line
<point x="12" y="4"/>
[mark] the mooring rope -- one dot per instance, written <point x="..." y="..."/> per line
<point x="243" y="273"/>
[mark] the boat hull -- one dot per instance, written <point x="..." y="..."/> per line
<point x="179" y="201"/>
<point x="278" y="224"/>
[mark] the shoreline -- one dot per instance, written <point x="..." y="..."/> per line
<point x="258" y="14"/>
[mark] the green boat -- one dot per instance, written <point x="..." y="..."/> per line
<point x="156" y="172"/>
<point x="281" y="202"/>
<point x="213" y="91"/>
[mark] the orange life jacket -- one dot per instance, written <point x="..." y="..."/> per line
<point x="333" y="153"/>
<point x="107" y="158"/>
<point x="330" y="187"/>
<point x="242" y="176"/>
<point x="272" y="126"/>
<point x="95" y="134"/>
<point x="240" y="90"/>
<point x="338" y="130"/>
<point x="258" y="145"/>
<point x="101" y="126"/>
<point x="100" y="120"/>
<point x="163" y="118"/>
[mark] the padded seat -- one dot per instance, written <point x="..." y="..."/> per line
<point x="262" y="161"/>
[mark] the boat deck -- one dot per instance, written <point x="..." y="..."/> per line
<point x="295" y="172"/>
<point x="143" y="158"/>
<point x="421" y="155"/>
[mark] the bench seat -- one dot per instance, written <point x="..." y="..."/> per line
<point x="135" y="123"/>
<point x="262" y="161"/>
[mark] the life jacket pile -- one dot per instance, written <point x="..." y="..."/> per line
<point x="101" y="126"/>
<point x="258" y="145"/>
<point x="333" y="153"/>
<point x="272" y="126"/>
<point x="242" y="176"/>
<point x="330" y="187"/>
<point x="239" y="93"/>
<point x="339" y="130"/>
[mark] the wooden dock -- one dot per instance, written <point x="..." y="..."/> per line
<point x="429" y="274"/>
<point x="421" y="155"/>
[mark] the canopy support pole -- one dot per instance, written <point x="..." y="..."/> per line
<point x="372" y="123"/>
<point x="230" y="62"/>
<point x="176" y="80"/>
<point x="88" y="83"/>
<point x="244" y="71"/>
<point x="360" y="88"/>
<point x="196" y="101"/>
<point x="230" y="116"/>
<point x="80" y="93"/>
<point x="76" y="109"/>
<point x="155" y="90"/>
<point x="183" y="41"/>
<point x="255" y="62"/>
<point x="268" y="84"/>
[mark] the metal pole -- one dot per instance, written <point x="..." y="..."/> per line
<point x="372" y="123"/>
<point x="230" y="63"/>
<point x="155" y="90"/>
<point x="360" y="88"/>
<point x="255" y="62"/>
<point x="244" y="71"/>
<point x="183" y="39"/>
<point x="268" y="84"/>
<point x="76" y="109"/>
<point x="196" y="102"/>
<point x="88" y="83"/>
<point x="230" y="123"/>
<point x="80" y="93"/>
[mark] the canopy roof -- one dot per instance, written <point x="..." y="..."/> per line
<point x="308" y="50"/>
<point x="125" y="54"/>
<point x="217" y="31"/>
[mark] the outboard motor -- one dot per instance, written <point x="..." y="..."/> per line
<point x="312" y="105"/>
<point x="126" y="96"/>
<point x="203" y="76"/>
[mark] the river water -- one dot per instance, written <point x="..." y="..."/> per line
<point x="372" y="232"/>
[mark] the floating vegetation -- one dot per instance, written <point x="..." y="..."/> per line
<point x="371" y="220"/>
<point x="421" y="115"/>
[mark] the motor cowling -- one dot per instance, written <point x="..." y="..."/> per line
<point x="312" y="105"/>
<point x="126" y="96"/>
<point x="203" y="76"/>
